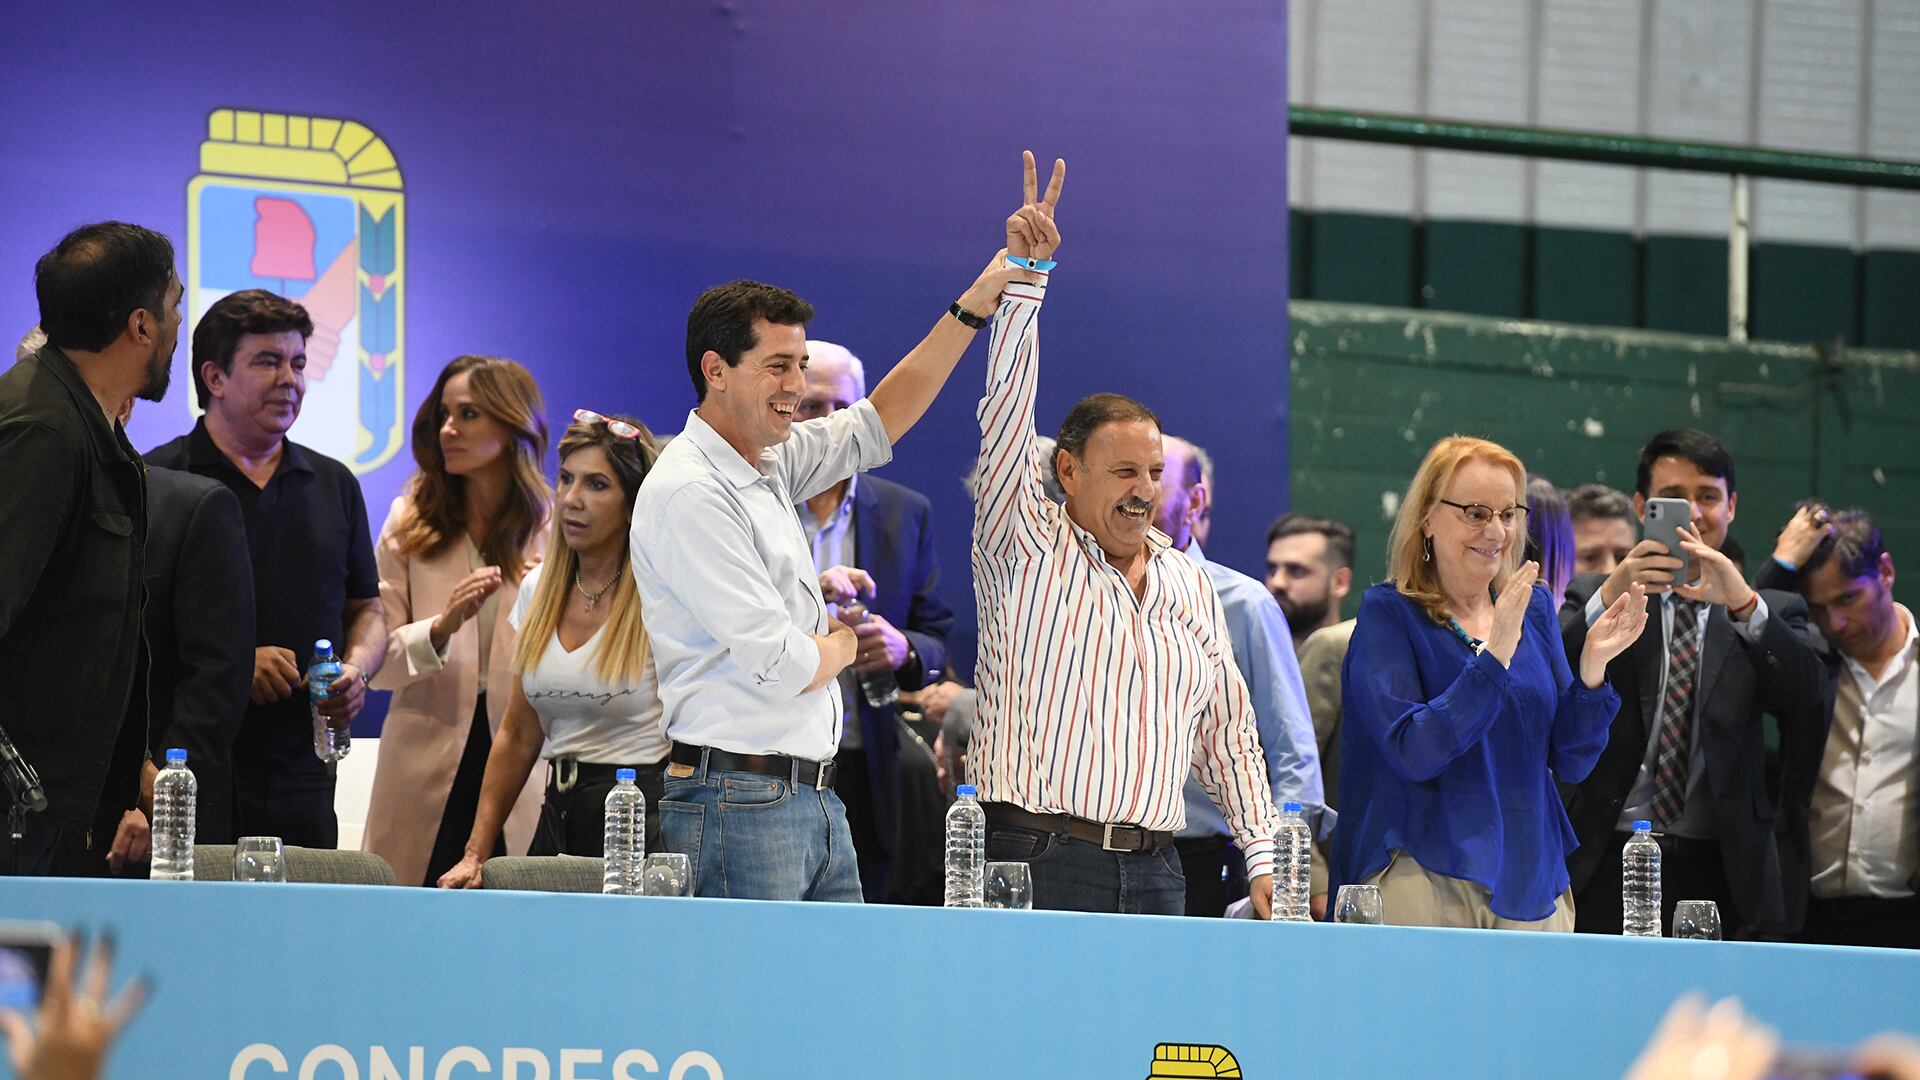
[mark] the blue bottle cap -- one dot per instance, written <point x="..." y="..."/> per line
<point x="323" y="646"/>
<point x="1643" y="826"/>
<point x="1291" y="808"/>
<point x="965" y="789"/>
<point x="622" y="774"/>
<point x="176" y="756"/>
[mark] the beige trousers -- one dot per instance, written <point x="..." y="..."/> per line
<point x="1412" y="895"/>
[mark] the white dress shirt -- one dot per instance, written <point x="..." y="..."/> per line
<point x="728" y="585"/>
<point x="1865" y="819"/>
<point x="1092" y="701"/>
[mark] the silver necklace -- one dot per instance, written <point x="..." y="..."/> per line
<point x="594" y="597"/>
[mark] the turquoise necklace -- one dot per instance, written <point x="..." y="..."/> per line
<point x="1473" y="643"/>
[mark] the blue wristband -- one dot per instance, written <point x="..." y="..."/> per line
<point x="1042" y="265"/>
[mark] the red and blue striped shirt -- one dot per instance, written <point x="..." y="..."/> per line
<point x="1093" y="702"/>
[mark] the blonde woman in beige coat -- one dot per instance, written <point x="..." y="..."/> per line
<point x="451" y="557"/>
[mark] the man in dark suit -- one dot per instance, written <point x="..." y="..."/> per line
<point x="200" y="630"/>
<point x="873" y="540"/>
<point x="1687" y="750"/>
<point x="1850" y="780"/>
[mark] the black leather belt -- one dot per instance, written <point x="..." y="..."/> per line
<point x="1128" y="838"/>
<point x="794" y="770"/>
<point x="568" y="773"/>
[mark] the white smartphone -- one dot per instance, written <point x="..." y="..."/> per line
<point x="1663" y="521"/>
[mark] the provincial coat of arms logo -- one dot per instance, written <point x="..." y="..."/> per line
<point x="312" y="208"/>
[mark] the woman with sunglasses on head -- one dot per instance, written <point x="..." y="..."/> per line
<point x="583" y="685"/>
<point x="1461" y="711"/>
<point x="451" y="556"/>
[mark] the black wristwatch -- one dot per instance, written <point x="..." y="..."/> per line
<point x="967" y="318"/>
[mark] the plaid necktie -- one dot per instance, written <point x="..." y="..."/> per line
<point x="1676" y="715"/>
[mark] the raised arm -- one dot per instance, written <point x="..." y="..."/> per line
<point x="1010" y="502"/>
<point x="903" y="396"/>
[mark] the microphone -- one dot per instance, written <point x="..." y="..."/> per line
<point x="21" y="779"/>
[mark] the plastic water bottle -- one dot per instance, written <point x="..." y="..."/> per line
<point x="624" y="851"/>
<point x="880" y="688"/>
<point x="330" y="741"/>
<point x="1640" y="883"/>
<point x="1293" y="867"/>
<point x="966" y="850"/>
<point x="175" y="793"/>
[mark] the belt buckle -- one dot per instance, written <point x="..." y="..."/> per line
<point x="818" y="769"/>
<point x="1106" y="838"/>
<point x="566" y="772"/>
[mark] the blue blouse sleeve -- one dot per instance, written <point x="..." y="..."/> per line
<point x="1583" y="716"/>
<point x="1418" y="736"/>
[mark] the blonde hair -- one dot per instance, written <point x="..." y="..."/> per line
<point x="623" y="654"/>
<point x="1409" y="565"/>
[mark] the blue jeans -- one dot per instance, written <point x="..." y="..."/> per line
<point x="758" y="837"/>
<point x="1075" y="875"/>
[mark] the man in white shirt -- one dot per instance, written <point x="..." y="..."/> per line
<point x="1106" y="670"/>
<point x="743" y="647"/>
<point x="1863" y="829"/>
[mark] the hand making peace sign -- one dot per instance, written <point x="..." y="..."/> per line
<point x="1030" y="229"/>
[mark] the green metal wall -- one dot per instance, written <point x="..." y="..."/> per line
<point x="1373" y="388"/>
<point x="1799" y="292"/>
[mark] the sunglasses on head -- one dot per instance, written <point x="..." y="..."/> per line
<point x="619" y="428"/>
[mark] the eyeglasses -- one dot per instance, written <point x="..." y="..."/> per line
<point x="1480" y="515"/>
<point x="618" y="428"/>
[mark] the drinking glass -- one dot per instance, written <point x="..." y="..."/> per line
<point x="1696" y="920"/>
<point x="1359" y="904"/>
<point x="1009" y="885"/>
<point x="667" y="873"/>
<point x="259" y="858"/>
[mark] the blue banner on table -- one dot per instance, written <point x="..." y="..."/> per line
<point x="258" y="981"/>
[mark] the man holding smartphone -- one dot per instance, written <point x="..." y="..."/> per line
<point x="1687" y="750"/>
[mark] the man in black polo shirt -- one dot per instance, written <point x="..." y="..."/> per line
<point x="73" y="526"/>
<point x="313" y="569"/>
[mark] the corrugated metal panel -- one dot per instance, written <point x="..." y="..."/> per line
<point x="1480" y="66"/>
<point x="1810" y="94"/>
<point x="1367" y="57"/>
<point x="1589" y="81"/>
<point x="1700" y="86"/>
<point x="1893" y="118"/>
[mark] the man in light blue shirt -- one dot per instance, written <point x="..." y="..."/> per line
<point x="745" y="653"/>
<point x="1263" y="651"/>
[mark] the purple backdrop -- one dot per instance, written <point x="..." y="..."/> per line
<point x="575" y="174"/>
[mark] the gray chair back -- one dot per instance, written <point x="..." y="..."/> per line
<point x="313" y="866"/>
<point x="543" y="873"/>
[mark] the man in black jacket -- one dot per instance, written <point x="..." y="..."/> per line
<point x="72" y="549"/>
<point x="1687" y="750"/>
<point x="200" y="629"/>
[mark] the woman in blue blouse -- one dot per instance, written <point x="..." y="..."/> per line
<point x="1461" y="711"/>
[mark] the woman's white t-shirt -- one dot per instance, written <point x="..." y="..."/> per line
<point x="583" y="717"/>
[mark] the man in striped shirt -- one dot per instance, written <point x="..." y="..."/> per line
<point x="1105" y="670"/>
